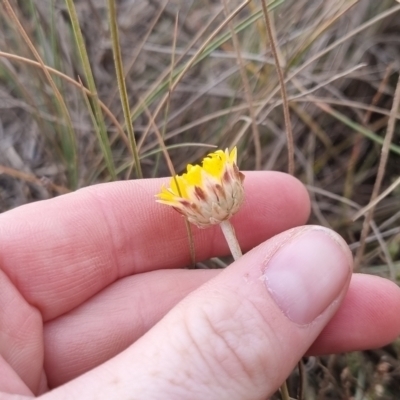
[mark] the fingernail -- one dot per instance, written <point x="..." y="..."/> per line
<point x="308" y="273"/>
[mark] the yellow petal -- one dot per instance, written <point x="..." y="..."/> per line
<point x="181" y="191"/>
<point x="214" y="163"/>
<point x="166" y="195"/>
<point x="193" y="176"/>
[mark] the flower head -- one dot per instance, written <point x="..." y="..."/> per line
<point x="207" y="194"/>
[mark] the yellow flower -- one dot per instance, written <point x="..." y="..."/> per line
<point x="207" y="194"/>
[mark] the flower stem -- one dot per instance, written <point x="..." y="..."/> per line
<point x="285" y="392"/>
<point x="229" y="233"/>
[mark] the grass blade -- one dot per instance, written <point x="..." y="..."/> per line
<point x="199" y="56"/>
<point x="69" y="140"/>
<point x="100" y="126"/>
<point x="121" y="83"/>
<point x="357" y="127"/>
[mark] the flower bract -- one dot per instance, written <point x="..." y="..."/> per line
<point x="209" y="193"/>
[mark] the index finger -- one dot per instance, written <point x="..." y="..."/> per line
<point x="62" y="251"/>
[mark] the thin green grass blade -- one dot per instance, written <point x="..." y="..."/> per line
<point x="220" y="40"/>
<point x="100" y="126"/>
<point x="112" y="14"/>
<point x="68" y="134"/>
<point x="359" y="128"/>
<point x="56" y="61"/>
<point x="49" y="57"/>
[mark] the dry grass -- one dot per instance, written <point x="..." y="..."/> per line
<point x="201" y="73"/>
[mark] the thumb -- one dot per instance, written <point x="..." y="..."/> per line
<point x="238" y="336"/>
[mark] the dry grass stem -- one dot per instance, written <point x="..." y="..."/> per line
<point x="72" y="161"/>
<point x="154" y="87"/>
<point x="77" y="84"/>
<point x="379" y="198"/>
<point x="379" y="176"/>
<point x="139" y="48"/>
<point x="247" y="92"/>
<point x="349" y="182"/>
<point x="14" y="173"/>
<point x="192" y="248"/>
<point x="286" y="112"/>
<point x="193" y="59"/>
<point x="344" y="39"/>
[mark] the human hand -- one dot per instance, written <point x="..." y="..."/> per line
<point x="88" y="281"/>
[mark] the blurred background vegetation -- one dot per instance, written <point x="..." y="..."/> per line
<point x="94" y="90"/>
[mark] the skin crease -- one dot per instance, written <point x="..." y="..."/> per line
<point x="68" y="262"/>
